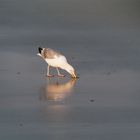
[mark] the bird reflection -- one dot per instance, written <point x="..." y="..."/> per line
<point x="56" y="90"/>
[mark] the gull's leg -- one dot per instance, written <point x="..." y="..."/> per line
<point x="59" y="74"/>
<point x="48" y="72"/>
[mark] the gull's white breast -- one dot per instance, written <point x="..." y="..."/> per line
<point x="57" y="61"/>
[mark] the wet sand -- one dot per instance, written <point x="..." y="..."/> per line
<point x="101" y="104"/>
<point x="100" y="39"/>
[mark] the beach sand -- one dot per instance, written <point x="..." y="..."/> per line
<point x="101" y="104"/>
<point x="101" y="40"/>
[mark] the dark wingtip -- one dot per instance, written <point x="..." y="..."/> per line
<point x="40" y="49"/>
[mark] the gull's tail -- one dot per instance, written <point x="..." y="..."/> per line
<point x="40" y="49"/>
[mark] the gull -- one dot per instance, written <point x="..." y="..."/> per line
<point x="56" y="60"/>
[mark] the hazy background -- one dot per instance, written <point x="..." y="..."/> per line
<point x="95" y="28"/>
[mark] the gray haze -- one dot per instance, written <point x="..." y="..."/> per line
<point x="97" y="29"/>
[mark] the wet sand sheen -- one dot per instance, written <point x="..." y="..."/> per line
<point x="100" y="39"/>
<point x="97" y="105"/>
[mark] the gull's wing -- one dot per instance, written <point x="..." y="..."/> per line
<point x="50" y="53"/>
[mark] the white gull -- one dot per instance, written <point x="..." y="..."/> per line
<point x="57" y="60"/>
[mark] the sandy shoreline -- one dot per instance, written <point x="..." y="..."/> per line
<point x="100" y="39"/>
<point x="98" y="105"/>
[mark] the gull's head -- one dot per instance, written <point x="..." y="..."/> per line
<point x="70" y="70"/>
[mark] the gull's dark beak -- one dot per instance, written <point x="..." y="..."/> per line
<point x="40" y="49"/>
<point x="74" y="75"/>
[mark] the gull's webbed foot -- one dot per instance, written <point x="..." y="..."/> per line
<point x="50" y="75"/>
<point x="61" y="75"/>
